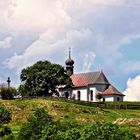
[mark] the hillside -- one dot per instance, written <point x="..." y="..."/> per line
<point x="69" y="112"/>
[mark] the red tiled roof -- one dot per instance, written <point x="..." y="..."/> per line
<point x="112" y="90"/>
<point x="85" y="79"/>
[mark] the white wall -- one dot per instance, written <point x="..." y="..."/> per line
<point x="120" y="98"/>
<point x="83" y="94"/>
<point x="109" y="98"/>
<point x="113" y="98"/>
<point x="94" y="94"/>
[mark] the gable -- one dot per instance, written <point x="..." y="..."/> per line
<point x="102" y="79"/>
<point x="85" y="79"/>
<point x="111" y="90"/>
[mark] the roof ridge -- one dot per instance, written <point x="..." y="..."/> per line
<point x="86" y="72"/>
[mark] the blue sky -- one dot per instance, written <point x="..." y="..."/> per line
<point x="102" y="35"/>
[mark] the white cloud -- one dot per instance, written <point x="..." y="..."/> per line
<point x="6" y="43"/>
<point x="93" y="27"/>
<point x="131" y="66"/>
<point x="132" y="91"/>
<point x="88" y="61"/>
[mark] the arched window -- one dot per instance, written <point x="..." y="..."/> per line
<point x="91" y="95"/>
<point x="78" y="95"/>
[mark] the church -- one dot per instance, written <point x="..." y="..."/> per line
<point x="87" y="85"/>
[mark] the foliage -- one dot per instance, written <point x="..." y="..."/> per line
<point x="105" y="131"/>
<point x="41" y="126"/>
<point x="95" y="132"/>
<point x="7" y="93"/>
<point x="5" y="117"/>
<point x="70" y="134"/>
<point x="69" y="113"/>
<point x="6" y="133"/>
<point x="99" y="96"/>
<point x="42" y="77"/>
<point x="32" y="130"/>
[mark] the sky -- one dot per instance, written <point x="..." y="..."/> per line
<point x="102" y="35"/>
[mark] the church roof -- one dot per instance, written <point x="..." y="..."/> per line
<point x="85" y="79"/>
<point x="112" y="90"/>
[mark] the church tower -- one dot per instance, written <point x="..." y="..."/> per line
<point x="69" y="64"/>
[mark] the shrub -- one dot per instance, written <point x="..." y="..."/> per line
<point x="5" y="117"/>
<point x="32" y="130"/>
<point x="41" y="127"/>
<point x="106" y="132"/>
<point x="99" y="96"/>
<point x="7" y="93"/>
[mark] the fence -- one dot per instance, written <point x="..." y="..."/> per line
<point x="105" y="105"/>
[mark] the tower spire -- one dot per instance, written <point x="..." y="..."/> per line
<point x="69" y="52"/>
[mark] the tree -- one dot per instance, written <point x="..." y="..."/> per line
<point x="42" y="78"/>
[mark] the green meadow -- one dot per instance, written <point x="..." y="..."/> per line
<point x="66" y="112"/>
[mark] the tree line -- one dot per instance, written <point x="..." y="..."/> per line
<point x="40" y="79"/>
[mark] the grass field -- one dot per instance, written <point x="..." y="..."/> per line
<point x="69" y="112"/>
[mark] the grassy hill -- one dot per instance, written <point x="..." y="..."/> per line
<point x="69" y="112"/>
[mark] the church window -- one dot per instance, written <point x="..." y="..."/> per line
<point x="91" y="95"/>
<point x="79" y="94"/>
<point x="118" y="99"/>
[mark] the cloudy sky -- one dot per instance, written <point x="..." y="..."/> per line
<point x="102" y="35"/>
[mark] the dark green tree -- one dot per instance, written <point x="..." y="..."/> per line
<point x="42" y="78"/>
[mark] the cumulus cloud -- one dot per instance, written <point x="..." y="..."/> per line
<point x="92" y="28"/>
<point x="132" y="91"/>
<point x="98" y="27"/>
<point x="88" y="61"/>
<point x="6" y="43"/>
<point x="131" y="66"/>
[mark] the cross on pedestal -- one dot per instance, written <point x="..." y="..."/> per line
<point x="8" y="81"/>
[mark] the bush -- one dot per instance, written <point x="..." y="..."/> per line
<point x="106" y="132"/>
<point x="99" y="96"/>
<point x="41" y="127"/>
<point x="5" y="117"/>
<point x="7" y="93"/>
<point x="32" y="130"/>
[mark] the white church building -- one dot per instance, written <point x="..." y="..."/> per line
<point x="87" y="85"/>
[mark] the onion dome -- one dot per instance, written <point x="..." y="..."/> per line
<point x="69" y="61"/>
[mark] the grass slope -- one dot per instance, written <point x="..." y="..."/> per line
<point x="69" y="112"/>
